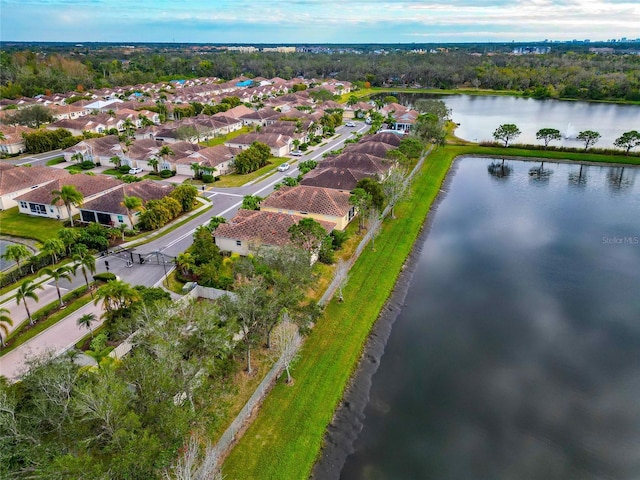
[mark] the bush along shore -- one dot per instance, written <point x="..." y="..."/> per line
<point x="287" y="437"/>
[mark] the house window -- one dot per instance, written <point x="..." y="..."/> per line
<point x="239" y="243"/>
<point x="120" y="219"/>
<point x="38" y="208"/>
<point x="23" y="205"/>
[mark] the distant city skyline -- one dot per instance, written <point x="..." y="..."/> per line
<point x="317" y="21"/>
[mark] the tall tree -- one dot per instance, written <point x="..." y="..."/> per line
<point x="132" y="204"/>
<point x="373" y="188"/>
<point x="153" y="161"/>
<point x="362" y="201"/>
<point x="165" y="152"/>
<point x="26" y="290"/>
<point x="15" y="253"/>
<point x="116" y="295"/>
<point x="547" y="135"/>
<point x="86" y="321"/>
<point x="506" y="132"/>
<point x="70" y="196"/>
<point x="69" y="237"/>
<point x="589" y="138"/>
<point x="57" y="274"/>
<point x="86" y="262"/>
<point x="286" y="341"/>
<point x="53" y="247"/>
<point x="307" y="234"/>
<point x="5" y="323"/>
<point x="628" y="140"/>
<point x="394" y="187"/>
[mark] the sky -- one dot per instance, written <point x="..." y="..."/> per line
<point x="317" y="21"/>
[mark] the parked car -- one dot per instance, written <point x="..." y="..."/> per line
<point x="135" y="170"/>
<point x="350" y="124"/>
<point x="284" y="167"/>
<point x="296" y="153"/>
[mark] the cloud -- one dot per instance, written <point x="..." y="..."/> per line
<point x="330" y="21"/>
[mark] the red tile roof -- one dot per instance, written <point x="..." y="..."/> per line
<point x="323" y="201"/>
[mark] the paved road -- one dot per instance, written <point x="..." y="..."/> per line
<point x="226" y="203"/>
<point x="48" y="294"/>
<point x="58" y="338"/>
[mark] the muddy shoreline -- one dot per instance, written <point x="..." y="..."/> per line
<point x="347" y="421"/>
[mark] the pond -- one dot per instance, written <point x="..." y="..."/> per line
<point x="517" y="353"/>
<point x="479" y="116"/>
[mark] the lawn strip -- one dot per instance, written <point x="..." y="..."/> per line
<point x="286" y="437"/>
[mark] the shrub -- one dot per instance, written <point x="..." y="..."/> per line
<point x="124" y="169"/>
<point x="166" y="173"/>
<point x="104" y="277"/>
<point x="207" y="178"/>
<point x="303" y="147"/>
<point x="87" y="165"/>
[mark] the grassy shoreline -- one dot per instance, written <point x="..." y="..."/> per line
<point x="287" y="435"/>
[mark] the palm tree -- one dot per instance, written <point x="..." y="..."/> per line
<point x="16" y="253"/>
<point x="131" y="204"/>
<point x="197" y="172"/>
<point x="153" y="161"/>
<point x="86" y="262"/>
<point x="69" y="195"/>
<point x="165" y="151"/>
<point x="116" y="160"/>
<point x="5" y="323"/>
<point x="77" y="157"/>
<point x="116" y="294"/>
<point x="53" y="247"/>
<point x="57" y="274"/>
<point x="86" y="320"/>
<point x="69" y="237"/>
<point x="185" y="263"/>
<point x="128" y="126"/>
<point x="27" y="289"/>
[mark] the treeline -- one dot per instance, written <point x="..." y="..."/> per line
<point x="555" y="75"/>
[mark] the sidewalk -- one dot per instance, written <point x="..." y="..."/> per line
<point x="58" y="338"/>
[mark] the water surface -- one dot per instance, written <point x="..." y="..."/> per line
<point x="517" y="355"/>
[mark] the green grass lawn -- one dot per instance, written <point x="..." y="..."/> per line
<point x="287" y="434"/>
<point x="236" y="180"/>
<point x="21" y="225"/>
<point x="220" y="140"/>
<point x="55" y="161"/>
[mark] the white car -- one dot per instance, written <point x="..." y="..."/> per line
<point x="350" y="124"/>
<point x="284" y="167"/>
<point x="296" y="153"/>
<point x="135" y="170"/>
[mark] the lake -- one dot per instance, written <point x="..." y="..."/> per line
<point x="479" y="116"/>
<point x="3" y="247"/>
<point x="517" y="353"/>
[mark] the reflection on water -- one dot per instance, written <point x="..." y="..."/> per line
<point x="517" y="355"/>
<point x="479" y="116"/>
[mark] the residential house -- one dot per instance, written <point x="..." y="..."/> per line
<point x="377" y="149"/>
<point x="219" y="157"/>
<point x="38" y="202"/>
<point x="373" y="166"/>
<point x="252" y="229"/>
<point x="16" y="181"/>
<point x="13" y="142"/>
<point x="108" y="209"/>
<point x="322" y="204"/>
<point x="98" y="150"/>
<point x="262" y="117"/>
<point x="343" y="179"/>
<point x="280" y="145"/>
<point x="388" y="138"/>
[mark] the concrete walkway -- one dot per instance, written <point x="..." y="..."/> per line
<point x="58" y="338"/>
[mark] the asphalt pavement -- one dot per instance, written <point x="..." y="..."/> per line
<point x="157" y="254"/>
